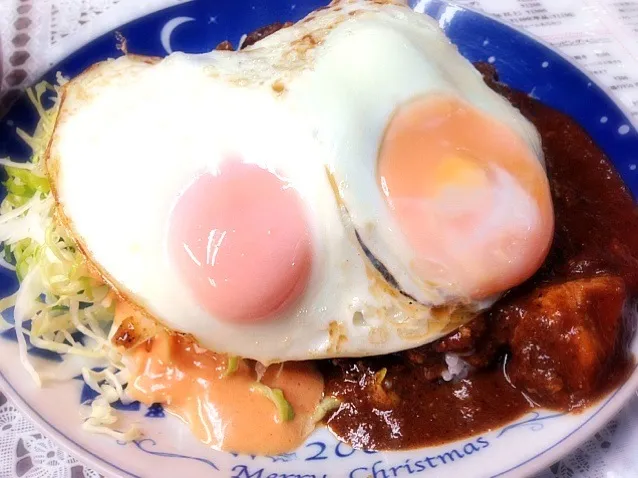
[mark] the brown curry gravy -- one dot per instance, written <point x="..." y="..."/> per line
<point x="558" y="341"/>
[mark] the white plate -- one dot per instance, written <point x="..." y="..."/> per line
<point x="168" y="449"/>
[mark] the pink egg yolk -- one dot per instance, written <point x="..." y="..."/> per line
<point x="436" y="170"/>
<point x="241" y="241"/>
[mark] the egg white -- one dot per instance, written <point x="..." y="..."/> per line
<point x="310" y="101"/>
<point x="364" y="70"/>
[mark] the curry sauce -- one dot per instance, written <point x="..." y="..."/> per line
<point x="559" y="341"/>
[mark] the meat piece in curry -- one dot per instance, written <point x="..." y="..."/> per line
<point x="565" y="338"/>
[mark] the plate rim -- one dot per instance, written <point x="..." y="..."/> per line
<point x="587" y="428"/>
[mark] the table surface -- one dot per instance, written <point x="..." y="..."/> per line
<point x="600" y="35"/>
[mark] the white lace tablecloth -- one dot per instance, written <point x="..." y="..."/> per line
<point x="602" y="35"/>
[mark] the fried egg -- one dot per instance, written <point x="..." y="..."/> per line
<point x="347" y="186"/>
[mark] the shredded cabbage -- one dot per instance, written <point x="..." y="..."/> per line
<point x="276" y="396"/>
<point x="69" y="310"/>
<point x="232" y="365"/>
<point x="325" y="406"/>
<point x="379" y="376"/>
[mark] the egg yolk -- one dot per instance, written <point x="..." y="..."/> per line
<point x="468" y="194"/>
<point x="241" y="242"/>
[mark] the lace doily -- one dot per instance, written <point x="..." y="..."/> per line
<point x="36" y="34"/>
<point x="69" y="16"/>
<point x="26" y="453"/>
<point x="611" y="453"/>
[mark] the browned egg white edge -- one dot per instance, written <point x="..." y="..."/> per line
<point x="444" y="319"/>
<point x="60" y="217"/>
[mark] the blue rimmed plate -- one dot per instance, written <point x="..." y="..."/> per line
<point x="168" y="449"/>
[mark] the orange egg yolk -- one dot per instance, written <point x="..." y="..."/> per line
<point x="469" y="195"/>
<point x="241" y="241"/>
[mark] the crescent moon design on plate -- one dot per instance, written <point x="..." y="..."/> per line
<point x="167" y="31"/>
